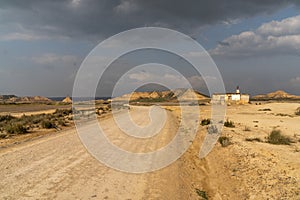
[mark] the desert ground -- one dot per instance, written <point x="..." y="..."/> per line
<point x="56" y="165"/>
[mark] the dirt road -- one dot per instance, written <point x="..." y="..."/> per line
<point x="59" y="167"/>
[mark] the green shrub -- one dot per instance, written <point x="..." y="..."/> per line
<point x="48" y="124"/>
<point x="224" y="141"/>
<point x="229" y="124"/>
<point x="276" y="137"/>
<point x="205" y="122"/>
<point x="16" y="129"/>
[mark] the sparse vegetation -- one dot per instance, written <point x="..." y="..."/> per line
<point x="10" y="125"/>
<point x="6" y="118"/>
<point x="3" y="135"/>
<point x="202" y="194"/>
<point x="253" y="139"/>
<point x="224" y="141"/>
<point x="62" y="112"/>
<point x="205" y="122"/>
<point x="229" y="124"/>
<point x="297" y="111"/>
<point x="276" y="137"/>
<point x="265" y="109"/>
<point x="48" y="124"/>
<point x="283" y="115"/>
<point x="16" y="129"/>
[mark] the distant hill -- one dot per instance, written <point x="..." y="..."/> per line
<point x="278" y="95"/>
<point x="162" y="96"/>
<point x="16" y="99"/>
<point x="5" y="97"/>
<point x="67" y="100"/>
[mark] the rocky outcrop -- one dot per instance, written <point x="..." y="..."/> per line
<point x="170" y="95"/>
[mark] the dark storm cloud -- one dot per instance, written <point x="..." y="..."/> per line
<point x="101" y="18"/>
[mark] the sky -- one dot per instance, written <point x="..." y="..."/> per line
<point x="254" y="43"/>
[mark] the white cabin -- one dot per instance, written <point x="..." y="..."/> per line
<point x="236" y="97"/>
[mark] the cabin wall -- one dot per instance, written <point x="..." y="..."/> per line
<point x="231" y="98"/>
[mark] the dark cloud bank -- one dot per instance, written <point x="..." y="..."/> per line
<point x="101" y="18"/>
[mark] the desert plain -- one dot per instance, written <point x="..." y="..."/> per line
<point x="54" y="164"/>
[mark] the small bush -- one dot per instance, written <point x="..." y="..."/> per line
<point x="16" y="129"/>
<point x="48" y="124"/>
<point x="276" y="137"/>
<point x="229" y="124"/>
<point x="224" y="141"/>
<point x="297" y="111"/>
<point x="202" y="194"/>
<point x="205" y="122"/>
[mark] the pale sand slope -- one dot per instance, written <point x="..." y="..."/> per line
<point x="264" y="171"/>
<point x="59" y="167"/>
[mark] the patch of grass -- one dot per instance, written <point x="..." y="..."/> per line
<point x="202" y="194"/>
<point x="48" y="124"/>
<point x="6" y="118"/>
<point x="224" y="141"/>
<point x="61" y="122"/>
<point x="20" y="125"/>
<point x="229" y="124"/>
<point x="276" y="137"/>
<point x="62" y="112"/>
<point x="297" y="111"/>
<point x="16" y="129"/>
<point x="253" y="139"/>
<point x="205" y="122"/>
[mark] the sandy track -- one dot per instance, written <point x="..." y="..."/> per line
<point x="59" y="167"/>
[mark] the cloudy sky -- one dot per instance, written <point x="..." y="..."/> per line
<point x="255" y="43"/>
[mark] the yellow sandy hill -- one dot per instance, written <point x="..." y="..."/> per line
<point x="67" y="100"/>
<point x="277" y="95"/>
<point x="182" y="94"/>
